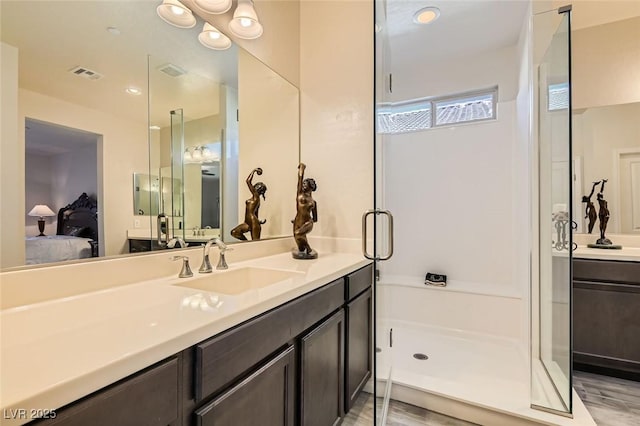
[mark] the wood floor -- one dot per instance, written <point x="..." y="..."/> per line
<point x="610" y="401"/>
<point x="399" y="414"/>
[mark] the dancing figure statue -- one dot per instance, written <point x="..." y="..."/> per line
<point x="590" y="209"/>
<point x="306" y="215"/>
<point x="603" y="215"/>
<point x="251" y="222"/>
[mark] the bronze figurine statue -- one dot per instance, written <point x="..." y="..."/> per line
<point x="251" y="222"/>
<point x="603" y="215"/>
<point x="306" y="215"/>
<point x="590" y="210"/>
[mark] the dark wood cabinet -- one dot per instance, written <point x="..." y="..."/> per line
<point x="266" y="397"/>
<point x="149" y="398"/>
<point x="303" y="362"/>
<point x="322" y="373"/>
<point x="606" y="317"/>
<point x="358" y="354"/>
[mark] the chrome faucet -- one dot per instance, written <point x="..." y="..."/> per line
<point x="222" y="263"/>
<point x="177" y="241"/>
<point x="185" y="272"/>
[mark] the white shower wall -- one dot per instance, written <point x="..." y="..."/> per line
<point x="459" y="198"/>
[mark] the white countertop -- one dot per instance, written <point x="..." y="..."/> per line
<point x="630" y="254"/>
<point x="58" y="351"/>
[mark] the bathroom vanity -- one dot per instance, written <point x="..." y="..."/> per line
<point x="606" y="318"/>
<point x="300" y="358"/>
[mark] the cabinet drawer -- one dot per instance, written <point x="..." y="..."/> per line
<point x="267" y="397"/>
<point x="147" y="399"/>
<point x="359" y="281"/>
<point x="220" y="360"/>
<point x="606" y="271"/>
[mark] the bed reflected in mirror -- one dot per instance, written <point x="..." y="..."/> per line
<point x="61" y="171"/>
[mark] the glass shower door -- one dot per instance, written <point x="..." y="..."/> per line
<point x="551" y="322"/>
<point x="382" y="221"/>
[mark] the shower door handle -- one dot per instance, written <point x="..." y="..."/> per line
<point x="364" y="234"/>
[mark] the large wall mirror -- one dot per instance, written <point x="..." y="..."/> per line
<point x="606" y="129"/>
<point x="131" y="123"/>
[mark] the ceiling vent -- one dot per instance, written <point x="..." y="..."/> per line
<point x="171" y="70"/>
<point x="86" y="73"/>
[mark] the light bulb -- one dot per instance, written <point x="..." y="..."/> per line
<point x="214" y="35"/>
<point x="246" y="22"/>
<point x="177" y="10"/>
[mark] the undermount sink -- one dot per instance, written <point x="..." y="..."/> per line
<point x="237" y="281"/>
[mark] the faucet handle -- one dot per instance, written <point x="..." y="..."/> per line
<point x="186" y="269"/>
<point x="222" y="262"/>
<point x="205" y="267"/>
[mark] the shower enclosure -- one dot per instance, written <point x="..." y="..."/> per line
<point x="551" y="321"/>
<point x="473" y="167"/>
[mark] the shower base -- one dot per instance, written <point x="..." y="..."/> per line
<point x="476" y="377"/>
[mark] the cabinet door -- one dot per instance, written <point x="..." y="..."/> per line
<point x="322" y="373"/>
<point x="358" y="350"/>
<point x="149" y="398"/>
<point x="266" y="397"/>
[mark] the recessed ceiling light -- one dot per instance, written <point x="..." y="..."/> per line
<point x="113" y="30"/>
<point x="154" y="127"/>
<point x="426" y="15"/>
<point x="133" y="90"/>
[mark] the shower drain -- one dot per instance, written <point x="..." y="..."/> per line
<point x="421" y="357"/>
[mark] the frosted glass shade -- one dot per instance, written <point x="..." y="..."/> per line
<point x="213" y="39"/>
<point x="214" y="6"/>
<point x="245" y="22"/>
<point x="175" y="13"/>
<point x="41" y="210"/>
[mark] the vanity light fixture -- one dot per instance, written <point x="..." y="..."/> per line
<point x="213" y="39"/>
<point x="214" y="6"/>
<point x="175" y="13"/>
<point x="426" y="15"/>
<point x="199" y="155"/>
<point x="245" y="22"/>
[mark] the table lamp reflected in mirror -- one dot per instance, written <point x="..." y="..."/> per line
<point x="41" y="211"/>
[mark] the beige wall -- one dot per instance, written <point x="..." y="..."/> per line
<point x="269" y="138"/>
<point x="336" y="85"/>
<point x="606" y="64"/>
<point x="12" y="251"/>
<point x="122" y="152"/>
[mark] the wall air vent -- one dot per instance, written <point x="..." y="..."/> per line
<point x="86" y="73"/>
<point x="171" y="70"/>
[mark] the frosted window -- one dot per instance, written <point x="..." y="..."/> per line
<point x="417" y="115"/>
<point x="558" y="96"/>
<point x="462" y="110"/>
<point x="403" y="118"/>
